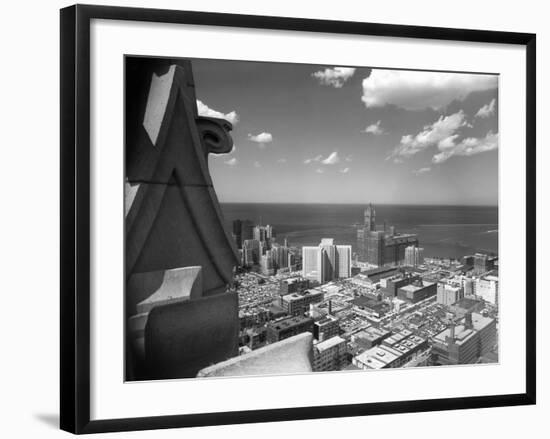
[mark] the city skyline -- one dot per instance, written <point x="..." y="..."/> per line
<point x="212" y="292"/>
<point x="396" y="136"/>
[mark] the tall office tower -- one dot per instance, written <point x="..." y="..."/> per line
<point x="370" y="218"/>
<point x="468" y="285"/>
<point x="237" y="232"/>
<point x="409" y="256"/>
<point x="247" y="228"/>
<point x="414" y="256"/>
<point x="419" y="255"/>
<point x="310" y="263"/>
<point x="291" y="261"/>
<point x="280" y="256"/>
<point x="362" y="235"/>
<point x="367" y="234"/>
<point x="259" y="233"/>
<point x="252" y="247"/>
<point x="266" y="264"/>
<point x="483" y="263"/>
<point x="264" y="234"/>
<point x="343" y="261"/>
<point x="248" y="254"/>
<point x="242" y="230"/>
<point x="385" y="247"/>
<point x="375" y="246"/>
<point x="327" y="261"/>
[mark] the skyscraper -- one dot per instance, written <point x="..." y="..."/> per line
<point x="327" y="261"/>
<point x="483" y="263"/>
<point x="237" y="232"/>
<point x="251" y="252"/>
<point x="374" y="248"/>
<point x="414" y="256"/>
<point x="370" y="218"/>
<point x="242" y="230"/>
<point x="264" y="234"/>
<point x="381" y="247"/>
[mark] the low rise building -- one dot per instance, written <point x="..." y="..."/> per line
<point x="391" y="285"/>
<point x="395" y="351"/>
<point x="285" y="328"/>
<point x="466" y="342"/>
<point x="298" y="303"/>
<point x="417" y="291"/>
<point x="486" y="288"/>
<point x="293" y="285"/>
<point x="370" y="337"/>
<point x="329" y="354"/>
<point x="326" y="328"/>
<point x="449" y="293"/>
<point x="466" y="305"/>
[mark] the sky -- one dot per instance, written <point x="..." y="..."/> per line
<point x="330" y="134"/>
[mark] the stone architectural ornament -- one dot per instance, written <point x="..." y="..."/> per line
<point x="179" y="257"/>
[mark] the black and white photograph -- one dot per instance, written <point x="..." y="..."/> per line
<point x="285" y="218"/>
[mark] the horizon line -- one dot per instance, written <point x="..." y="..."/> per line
<point x="358" y="203"/>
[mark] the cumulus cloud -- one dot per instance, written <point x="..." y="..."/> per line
<point x="320" y="170"/>
<point x="262" y="139"/>
<point x="205" y="110"/>
<point x="344" y="171"/>
<point x="421" y="171"/>
<point x="232" y="161"/>
<point x="257" y="164"/>
<point x="414" y="90"/>
<point x="441" y="133"/>
<point x="282" y="160"/>
<point x="332" y="159"/>
<point x="467" y="147"/>
<point x="314" y="159"/>
<point x="487" y="110"/>
<point x="374" y="129"/>
<point x="348" y="158"/>
<point x="335" y="77"/>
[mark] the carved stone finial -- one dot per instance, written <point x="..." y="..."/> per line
<point x="214" y="135"/>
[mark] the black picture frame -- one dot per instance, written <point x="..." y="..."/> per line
<point x="75" y="217"/>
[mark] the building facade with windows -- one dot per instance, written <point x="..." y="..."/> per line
<point x="327" y="261"/>
<point x="329" y="354"/>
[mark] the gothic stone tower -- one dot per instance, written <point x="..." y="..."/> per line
<point x="370" y="218"/>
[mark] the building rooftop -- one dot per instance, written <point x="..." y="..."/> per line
<point x="295" y="296"/>
<point x="462" y="334"/>
<point x="289" y="322"/>
<point x="366" y="301"/>
<point x="329" y="343"/>
<point x="378" y="357"/>
<point x="414" y="287"/>
<point x="378" y="271"/>
<point x="293" y="280"/>
<point x="327" y="319"/>
<point x="467" y="303"/>
<point x="372" y="333"/>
